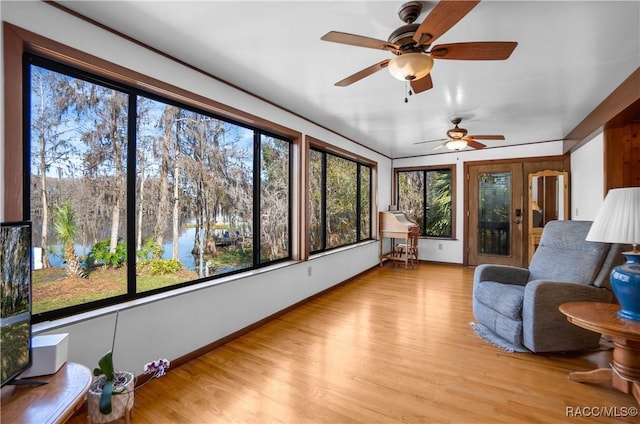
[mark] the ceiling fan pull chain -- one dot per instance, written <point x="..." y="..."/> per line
<point x="407" y="89"/>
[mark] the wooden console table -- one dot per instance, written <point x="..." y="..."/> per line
<point x="54" y="402"/>
<point x="602" y="318"/>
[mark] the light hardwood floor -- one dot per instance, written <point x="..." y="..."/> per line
<point x="390" y="346"/>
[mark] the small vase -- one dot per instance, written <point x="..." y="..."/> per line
<point x="121" y="400"/>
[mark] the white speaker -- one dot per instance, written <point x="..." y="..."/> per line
<point x="49" y="354"/>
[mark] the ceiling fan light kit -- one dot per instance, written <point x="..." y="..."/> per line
<point x="456" y="144"/>
<point x="410" y="66"/>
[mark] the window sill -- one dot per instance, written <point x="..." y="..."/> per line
<point x="341" y="249"/>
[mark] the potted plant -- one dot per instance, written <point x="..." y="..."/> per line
<point x="111" y="394"/>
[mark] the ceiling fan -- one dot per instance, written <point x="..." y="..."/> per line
<point x="458" y="138"/>
<point x="410" y="44"/>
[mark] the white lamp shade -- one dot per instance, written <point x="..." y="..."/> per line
<point x="456" y="144"/>
<point x="409" y="66"/>
<point x="618" y="220"/>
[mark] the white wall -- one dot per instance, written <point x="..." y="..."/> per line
<point x="172" y="325"/>
<point x="587" y="179"/>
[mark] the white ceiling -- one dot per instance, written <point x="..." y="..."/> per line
<point x="570" y="56"/>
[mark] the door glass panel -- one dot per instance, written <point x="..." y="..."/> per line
<point x="494" y="213"/>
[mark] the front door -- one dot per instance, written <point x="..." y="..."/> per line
<point x="495" y="215"/>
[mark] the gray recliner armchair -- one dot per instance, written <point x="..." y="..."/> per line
<point x="521" y="305"/>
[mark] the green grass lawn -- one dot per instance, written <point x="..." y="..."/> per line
<point x="53" y="289"/>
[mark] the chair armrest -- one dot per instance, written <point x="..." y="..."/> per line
<point x="501" y="274"/>
<point x="547" y="296"/>
<point x="545" y="328"/>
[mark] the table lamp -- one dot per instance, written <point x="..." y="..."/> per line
<point x="618" y="221"/>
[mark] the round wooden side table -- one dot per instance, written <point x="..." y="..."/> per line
<point x="52" y="403"/>
<point x="602" y="318"/>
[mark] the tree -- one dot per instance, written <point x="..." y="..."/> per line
<point x="341" y="201"/>
<point x="14" y="278"/>
<point x="365" y="202"/>
<point x="438" y="220"/>
<point x="106" y="137"/>
<point x="411" y="196"/>
<point x="274" y="198"/>
<point x="65" y="227"/>
<point x="144" y="145"/>
<point x="52" y="97"/>
<point x="168" y="152"/>
<point x="315" y="200"/>
<point x="425" y="196"/>
<point x="217" y="175"/>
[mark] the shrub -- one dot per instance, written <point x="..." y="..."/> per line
<point x="163" y="266"/>
<point x="100" y="254"/>
<point x="149" y="250"/>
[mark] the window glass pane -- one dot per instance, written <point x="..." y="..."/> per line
<point x="274" y="199"/>
<point x="494" y="220"/>
<point x="193" y="195"/>
<point x="438" y="202"/>
<point x="315" y="200"/>
<point x="78" y="134"/>
<point x="341" y="227"/>
<point x="411" y="196"/>
<point x="425" y="196"/>
<point x="365" y="202"/>
<point x="192" y="209"/>
<point x="339" y="201"/>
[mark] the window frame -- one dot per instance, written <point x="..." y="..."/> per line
<point x="325" y="150"/>
<point x="425" y="169"/>
<point x="259" y="126"/>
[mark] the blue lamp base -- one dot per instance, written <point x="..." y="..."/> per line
<point x="625" y="282"/>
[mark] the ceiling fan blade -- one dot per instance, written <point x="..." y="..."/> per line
<point x="440" y="146"/>
<point x="431" y="141"/>
<point x="359" y="41"/>
<point x="362" y="74"/>
<point x="423" y="84"/>
<point x="485" y="137"/>
<point x="474" y="144"/>
<point x="442" y="17"/>
<point x="482" y="50"/>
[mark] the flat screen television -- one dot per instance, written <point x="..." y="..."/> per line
<point x="15" y="299"/>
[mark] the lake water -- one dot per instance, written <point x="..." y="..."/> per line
<point x="185" y="245"/>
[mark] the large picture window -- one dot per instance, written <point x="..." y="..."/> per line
<point x="131" y="194"/>
<point x="426" y="196"/>
<point x="340" y="201"/>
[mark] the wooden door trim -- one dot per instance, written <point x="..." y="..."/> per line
<point x="566" y="158"/>
<point x="516" y="169"/>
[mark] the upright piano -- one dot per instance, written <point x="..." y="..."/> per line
<point x="396" y="225"/>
